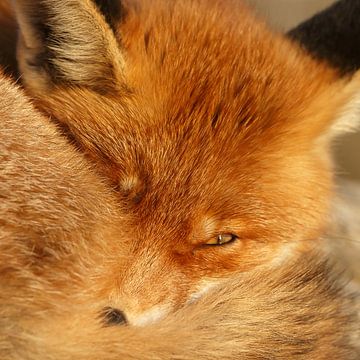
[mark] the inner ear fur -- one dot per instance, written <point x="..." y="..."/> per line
<point x="348" y="116"/>
<point x="334" y="112"/>
<point x="66" y="41"/>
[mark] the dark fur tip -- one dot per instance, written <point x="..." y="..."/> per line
<point x="112" y="10"/>
<point x="113" y="317"/>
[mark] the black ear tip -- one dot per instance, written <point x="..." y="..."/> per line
<point x="112" y="10"/>
<point x="113" y="317"/>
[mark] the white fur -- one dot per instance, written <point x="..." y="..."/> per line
<point x="129" y="183"/>
<point x="203" y="288"/>
<point x="150" y="316"/>
<point x="286" y="252"/>
<point x="349" y="117"/>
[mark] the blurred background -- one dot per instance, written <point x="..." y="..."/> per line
<point x="284" y="15"/>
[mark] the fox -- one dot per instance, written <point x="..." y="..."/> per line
<point x="53" y="233"/>
<point x="213" y="131"/>
<point x="198" y="158"/>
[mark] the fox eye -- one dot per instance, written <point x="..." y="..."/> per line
<point x="222" y="239"/>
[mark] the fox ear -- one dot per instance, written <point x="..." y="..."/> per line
<point x="337" y="109"/>
<point x="112" y="10"/>
<point x="67" y="41"/>
<point x="348" y="118"/>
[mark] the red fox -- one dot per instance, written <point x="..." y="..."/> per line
<point x="212" y="131"/>
<point x="52" y="232"/>
<point x="206" y="159"/>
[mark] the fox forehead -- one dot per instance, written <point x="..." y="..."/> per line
<point x="199" y="109"/>
<point x="197" y="81"/>
<point x="186" y="176"/>
<point x="209" y="96"/>
<point x="212" y="62"/>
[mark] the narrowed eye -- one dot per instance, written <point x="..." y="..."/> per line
<point x="222" y="239"/>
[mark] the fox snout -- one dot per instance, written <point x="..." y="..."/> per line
<point x="144" y="292"/>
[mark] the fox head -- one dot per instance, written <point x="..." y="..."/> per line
<point x="212" y="131"/>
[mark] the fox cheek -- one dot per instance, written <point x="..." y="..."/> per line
<point x="202" y="289"/>
<point x="150" y="316"/>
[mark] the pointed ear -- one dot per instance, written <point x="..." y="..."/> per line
<point x="112" y="10"/>
<point x="335" y="111"/>
<point x="66" y="41"/>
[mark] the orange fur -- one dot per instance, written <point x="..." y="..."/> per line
<point x="211" y="113"/>
<point x="56" y="215"/>
<point x="169" y="169"/>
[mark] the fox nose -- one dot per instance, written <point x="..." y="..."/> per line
<point x="114" y="317"/>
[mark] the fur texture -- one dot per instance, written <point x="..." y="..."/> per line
<point x="196" y="114"/>
<point x="53" y="247"/>
<point x="195" y="125"/>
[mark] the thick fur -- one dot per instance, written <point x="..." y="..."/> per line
<point x="55" y="224"/>
<point x="76" y="238"/>
<point x="203" y="122"/>
<point x="346" y="226"/>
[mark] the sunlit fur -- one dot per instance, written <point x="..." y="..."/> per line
<point x="53" y="242"/>
<point x="67" y="225"/>
<point x="213" y="114"/>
